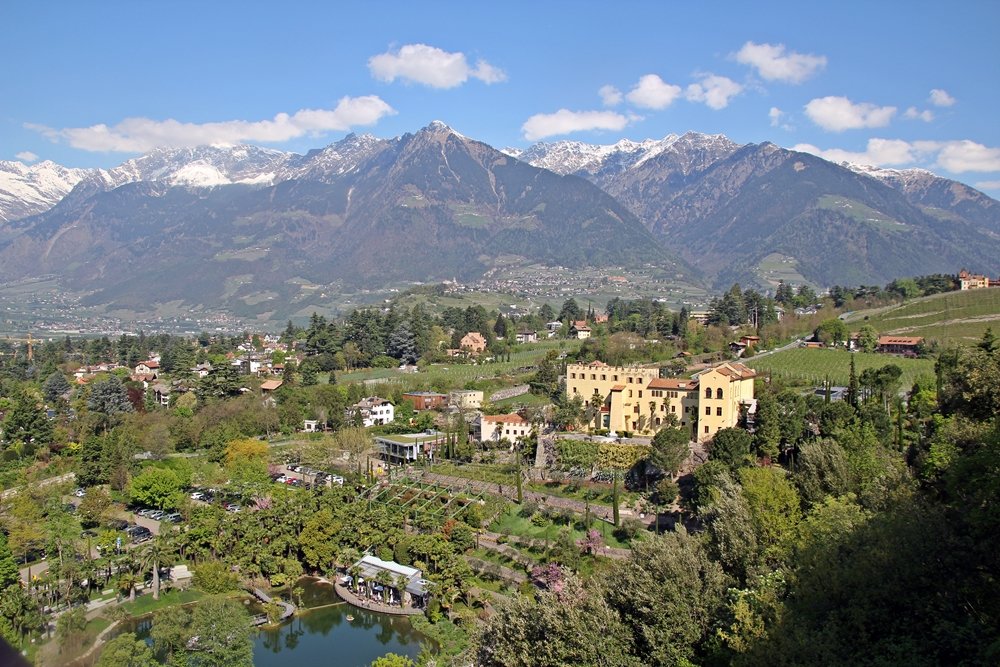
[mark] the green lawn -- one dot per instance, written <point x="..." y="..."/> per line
<point x="512" y="523"/>
<point x="527" y="400"/>
<point x="814" y="366"/>
<point x="145" y="603"/>
<point x="951" y="317"/>
<point x="446" y="374"/>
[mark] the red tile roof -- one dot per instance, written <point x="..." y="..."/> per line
<point x="900" y="340"/>
<point x="506" y="419"/>
<point x="671" y="383"/>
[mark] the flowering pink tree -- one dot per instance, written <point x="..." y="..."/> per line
<point x="551" y="577"/>
<point x="592" y="542"/>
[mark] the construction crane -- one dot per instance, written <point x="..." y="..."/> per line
<point x="30" y="340"/>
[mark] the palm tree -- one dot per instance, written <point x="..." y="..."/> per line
<point x="128" y="580"/>
<point x="384" y="579"/>
<point x="355" y="572"/>
<point x="399" y="582"/>
<point x="157" y="551"/>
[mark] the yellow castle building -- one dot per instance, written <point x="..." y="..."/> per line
<point x="637" y="399"/>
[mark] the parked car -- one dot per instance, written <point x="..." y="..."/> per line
<point x="281" y="479"/>
<point x="139" y="534"/>
<point x="157" y="515"/>
<point x="174" y="517"/>
<point x="117" y="524"/>
<point x="198" y="495"/>
<point x="80" y="493"/>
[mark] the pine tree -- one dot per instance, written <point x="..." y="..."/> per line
<point x="55" y="386"/>
<point x="9" y="573"/>
<point x="852" y="385"/>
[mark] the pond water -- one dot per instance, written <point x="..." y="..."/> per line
<point x="322" y="636"/>
<point x="325" y="637"/>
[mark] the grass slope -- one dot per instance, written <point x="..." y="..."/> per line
<point x="953" y="317"/>
<point x="813" y="366"/>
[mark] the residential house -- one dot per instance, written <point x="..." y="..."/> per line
<point x="269" y="386"/>
<point x="503" y="427"/>
<point x="552" y="328"/>
<point x="967" y="281"/>
<point x="161" y="394"/>
<point x="202" y="370"/>
<point x="425" y="400"/>
<point x="580" y="330"/>
<point x="637" y="399"/>
<point x="908" y="345"/>
<point x="526" y="336"/>
<point x="151" y="367"/>
<point x="310" y="426"/>
<point x="466" y="400"/>
<point x="473" y="342"/>
<point x="373" y="411"/>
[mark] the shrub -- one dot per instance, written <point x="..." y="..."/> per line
<point x="215" y="577"/>
<point x="629" y="529"/>
<point x="528" y="508"/>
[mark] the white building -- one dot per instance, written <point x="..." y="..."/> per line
<point x="503" y="427"/>
<point x="373" y="410"/>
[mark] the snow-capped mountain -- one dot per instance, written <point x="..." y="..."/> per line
<point x="337" y="159"/>
<point x="201" y="166"/>
<point x="29" y="189"/>
<point x="725" y="208"/>
<point x="901" y="179"/>
<point x="938" y="196"/>
<point x="604" y="164"/>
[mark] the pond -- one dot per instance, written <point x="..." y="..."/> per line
<point x="322" y="635"/>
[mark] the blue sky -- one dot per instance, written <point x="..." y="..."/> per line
<point x="898" y="84"/>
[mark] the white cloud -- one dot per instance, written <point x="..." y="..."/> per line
<point x="926" y="115"/>
<point x="987" y="185"/>
<point x="775" y="114"/>
<point x="610" y="96"/>
<point x="879" y="152"/>
<point x="652" y="92"/>
<point x="839" y="113"/>
<point x="26" y="156"/>
<point x="138" y="135"/>
<point x="965" y="155"/>
<point x="431" y="66"/>
<point x="564" y="121"/>
<point x="958" y="156"/>
<point x="941" y="98"/>
<point x="715" y="91"/>
<point x="773" y="63"/>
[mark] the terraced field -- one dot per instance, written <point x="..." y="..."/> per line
<point x="814" y="366"/>
<point x="954" y="317"/>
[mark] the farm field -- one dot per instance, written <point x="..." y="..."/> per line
<point x="814" y="366"/>
<point x="954" y="317"/>
<point x="456" y="374"/>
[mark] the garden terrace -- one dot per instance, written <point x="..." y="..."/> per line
<point x="422" y="498"/>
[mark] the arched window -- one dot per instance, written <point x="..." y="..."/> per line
<point x="708" y="392"/>
<point x="718" y="392"/>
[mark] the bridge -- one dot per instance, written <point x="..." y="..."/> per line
<point x="261" y="619"/>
